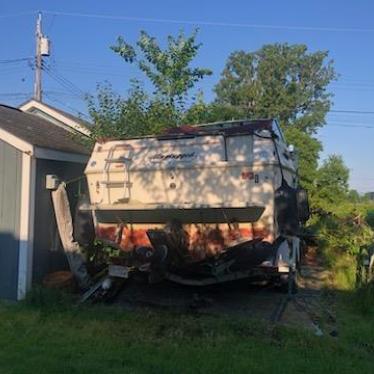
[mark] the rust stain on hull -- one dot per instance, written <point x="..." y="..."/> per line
<point x="200" y="240"/>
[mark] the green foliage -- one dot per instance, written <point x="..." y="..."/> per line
<point x="344" y="238"/>
<point x="308" y="149"/>
<point x="136" y="115"/>
<point x="141" y="113"/>
<point x="370" y="217"/>
<point x="344" y="235"/>
<point x="201" y="112"/>
<point x="168" y="69"/>
<point x="331" y="183"/>
<point x="279" y="80"/>
<point x="339" y="222"/>
<point x="100" y="254"/>
<point x="354" y="196"/>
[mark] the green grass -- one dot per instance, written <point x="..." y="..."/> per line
<point x="344" y="271"/>
<point x="58" y="337"/>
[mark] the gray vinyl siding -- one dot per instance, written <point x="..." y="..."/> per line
<point x="10" y="202"/>
<point x="48" y="254"/>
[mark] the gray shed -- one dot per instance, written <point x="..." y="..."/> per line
<point x="30" y="148"/>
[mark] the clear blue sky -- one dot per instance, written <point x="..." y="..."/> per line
<point x="81" y="52"/>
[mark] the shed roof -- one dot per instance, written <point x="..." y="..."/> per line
<point x="57" y="116"/>
<point x="39" y="132"/>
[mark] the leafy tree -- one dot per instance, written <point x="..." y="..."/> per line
<point x="168" y="69"/>
<point x="141" y="113"/>
<point x="137" y="114"/>
<point x="332" y="180"/>
<point x="354" y="196"/>
<point x="202" y="112"/>
<point x="279" y="80"/>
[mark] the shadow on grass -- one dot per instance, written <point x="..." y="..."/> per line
<point x="48" y="330"/>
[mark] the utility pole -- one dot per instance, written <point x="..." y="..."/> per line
<point x="42" y="49"/>
<point x="38" y="60"/>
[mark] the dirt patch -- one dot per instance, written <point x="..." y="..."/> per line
<point x="314" y="276"/>
<point x="240" y="298"/>
<point x="311" y="307"/>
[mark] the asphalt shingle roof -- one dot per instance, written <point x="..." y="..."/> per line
<point x="38" y="131"/>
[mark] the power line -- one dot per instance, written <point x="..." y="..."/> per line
<point x="64" y="82"/>
<point x="85" y="63"/>
<point x="194" y="22"/>
<point x="49" y="92"/>
<point x="63" y="93"/>
<point x="362" y="178"/>
<point x="209" y="23"/>
<point x="94" y="67"/>
<point x="354" y="82"/>
<point x="16" y="94"/>
<point x="95" y="72"/>
<point x="51" y="24"/>
<point x="343" y="119"/>
<point x="9" y="66"/>
<point x="11" y="71"/>
<point x="15" y="60"/>
<point x="18" y="14"/>
<point x="347" y="125"/>
<point x="353" y="88"/>
<point x="352" y="85"/>
<point x="76" y="111"/>
<point x="351" y="111"/>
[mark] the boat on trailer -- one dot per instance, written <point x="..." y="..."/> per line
<point x="200" y="204"/>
